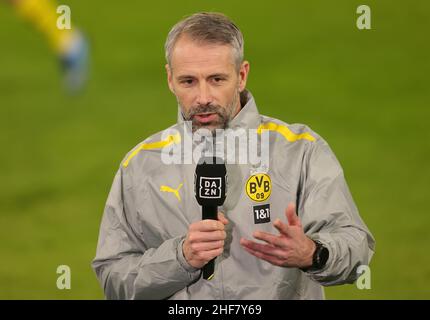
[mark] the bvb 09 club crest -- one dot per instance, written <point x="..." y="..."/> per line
<point x="259" y="187"/>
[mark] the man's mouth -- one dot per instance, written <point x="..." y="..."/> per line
<point x="205" y="117"/>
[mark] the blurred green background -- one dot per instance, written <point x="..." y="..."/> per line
<point x="365" y="91"/>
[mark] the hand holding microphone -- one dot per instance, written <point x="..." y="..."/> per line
<point x="204" y="241"/>
<point x="205" y="238"/>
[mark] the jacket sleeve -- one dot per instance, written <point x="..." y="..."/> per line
<point x="328" y="214"/>
<point x="125" y="267"/>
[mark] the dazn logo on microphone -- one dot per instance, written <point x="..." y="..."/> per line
<point x="210" y="187"/>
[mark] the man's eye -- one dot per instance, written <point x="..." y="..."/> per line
<point x="187" y="81"/>
<point x="218" y="79"/>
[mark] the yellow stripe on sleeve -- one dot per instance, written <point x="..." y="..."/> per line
<point x="284" y="131"/>
<point x="153" y="145"/>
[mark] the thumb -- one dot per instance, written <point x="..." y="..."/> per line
<point x="293" y="219"/>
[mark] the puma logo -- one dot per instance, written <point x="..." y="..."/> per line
<point x="174" y="191"/>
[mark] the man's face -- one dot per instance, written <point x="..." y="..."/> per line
<point x="205" y="81"/>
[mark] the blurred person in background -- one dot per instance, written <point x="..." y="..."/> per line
<point x="69" y="45"/>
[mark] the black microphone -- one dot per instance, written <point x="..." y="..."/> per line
<point x="210" y="189"/>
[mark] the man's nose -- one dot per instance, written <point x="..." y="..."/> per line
<point x="204" y="96"/>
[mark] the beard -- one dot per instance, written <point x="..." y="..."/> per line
<point x="220" y="116"/>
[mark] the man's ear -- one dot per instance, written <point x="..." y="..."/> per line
<point x="169" y="78"/>
<point x="243" y="75"/>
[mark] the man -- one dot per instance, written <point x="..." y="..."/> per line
<point x="153" y="242"/>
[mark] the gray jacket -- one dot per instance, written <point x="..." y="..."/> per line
<point x="151" y="204"/>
